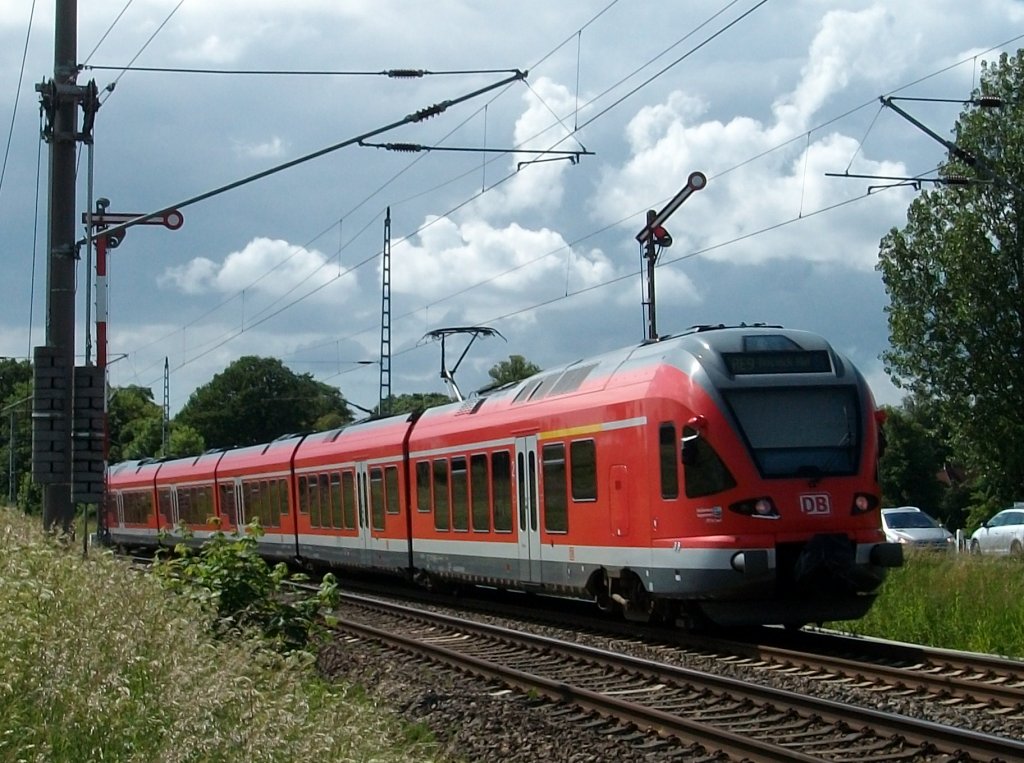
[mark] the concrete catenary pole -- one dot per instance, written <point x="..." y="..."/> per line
<point x="58" y="511"/>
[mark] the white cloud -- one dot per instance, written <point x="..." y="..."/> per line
<point x="512" y="261"/>
<point x="269" y="149"/>
<point x="537" y="184"/>
<point x="270" y="267"/>
<point x="668" y="141"/>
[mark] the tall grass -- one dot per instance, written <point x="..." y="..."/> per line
<point x="954" y="601"/>
<point x="98" y="662"/>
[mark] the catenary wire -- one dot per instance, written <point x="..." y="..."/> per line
<point x="17" y="94"/>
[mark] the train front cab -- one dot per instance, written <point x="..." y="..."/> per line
<point x="778" y="498"/>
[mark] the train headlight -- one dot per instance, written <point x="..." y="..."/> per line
<point x="759" y="508"/>
<point x="863" y="503"/>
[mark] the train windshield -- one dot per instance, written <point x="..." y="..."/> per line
<point x="799" y="432"/>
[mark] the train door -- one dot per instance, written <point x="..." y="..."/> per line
<point x="363" y="513"/>
<point x="527" y="503"/>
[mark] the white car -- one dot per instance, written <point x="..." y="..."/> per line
<point x="1003" y="534"/>
<point x="913" y="527"/>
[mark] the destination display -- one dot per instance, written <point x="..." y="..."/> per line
<point x="778" y="362"/>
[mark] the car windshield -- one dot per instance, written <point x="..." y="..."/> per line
<point x="902" y="520"/>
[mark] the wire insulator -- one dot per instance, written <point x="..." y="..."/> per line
<point x="405" y="73"/>
<point x="430" y="111"/>
<point x="410" y="148"/>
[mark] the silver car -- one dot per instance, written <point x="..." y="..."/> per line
<point x="913" y="527"/>
<point x="1003" y="534"/>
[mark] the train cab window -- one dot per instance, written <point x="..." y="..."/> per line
<point x="348" y="491"/>
<point x="668" y="453"/>
<point x="556" y="509"/>
<point x="583" y="463"/>
<point x="441" y="519"/>
<point x="480" y="493"/>
<point x="501" y="484"/>
<point x="377" y="497"/>
<point x="460" y="494"/>
<point x="423" y="486"/>
<point x="391" y="490"/>
<point x="704" y="471"/>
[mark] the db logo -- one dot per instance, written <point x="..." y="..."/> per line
<point x="816" y="503"/>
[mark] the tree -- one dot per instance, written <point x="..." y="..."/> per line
<point x="516" y="368"/>
<point x="955" y="278"/>
<point x="257" y="399"/>
<point x="417" y="401"/>
<point x="15" y="425"/>
<point x="912" y="459"/>
<point x="132" y="416"/>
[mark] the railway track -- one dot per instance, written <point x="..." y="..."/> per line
<point x="725" y="716"/>
<point x="973" y="681"/>
<point x="981" y="685"/>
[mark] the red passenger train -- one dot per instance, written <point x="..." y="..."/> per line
<point x="726" y="474"/>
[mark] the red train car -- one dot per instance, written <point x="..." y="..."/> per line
<point x="725" y="474"/>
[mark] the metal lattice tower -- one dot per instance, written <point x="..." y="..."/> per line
<point x="164" y="434"/>
<point x="385" y="320"/>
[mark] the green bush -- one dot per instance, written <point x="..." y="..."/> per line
<point x="99" y="662"/>
<point x="228" y="573"/>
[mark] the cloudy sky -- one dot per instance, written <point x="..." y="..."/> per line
<point x="523" y="215"/>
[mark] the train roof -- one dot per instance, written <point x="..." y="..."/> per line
<point x="716" y="353"/>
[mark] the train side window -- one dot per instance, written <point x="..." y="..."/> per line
<point x="268" y="501"/>
<point x="273" y="499"/>
<point x="441" y="519"/>
<point x="254" y="497"/>
<point x="282" y="490"/>
<point x="348" y="490"/>
<point x="556" y="509"/>
<point x="303" y="498"/>
<point x="705" y="473"/>
<point x="185" y="506"/>
<point x="423" y="486"/>
<point x="206" y="502"/>
<point x="377" y="497"/>
<point x="669" y="456"/>
<point x="479" y="491"/>
<point x="460" y="494"/>
<point x="391" y="489"/>
<point x="313" y="499"/>
<point x="227" y="503"/>
<point x="501" y="482"/>
<point x="583" y="465"/>
<point x="326" y="507"/>
<point x="337" y="501"/>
